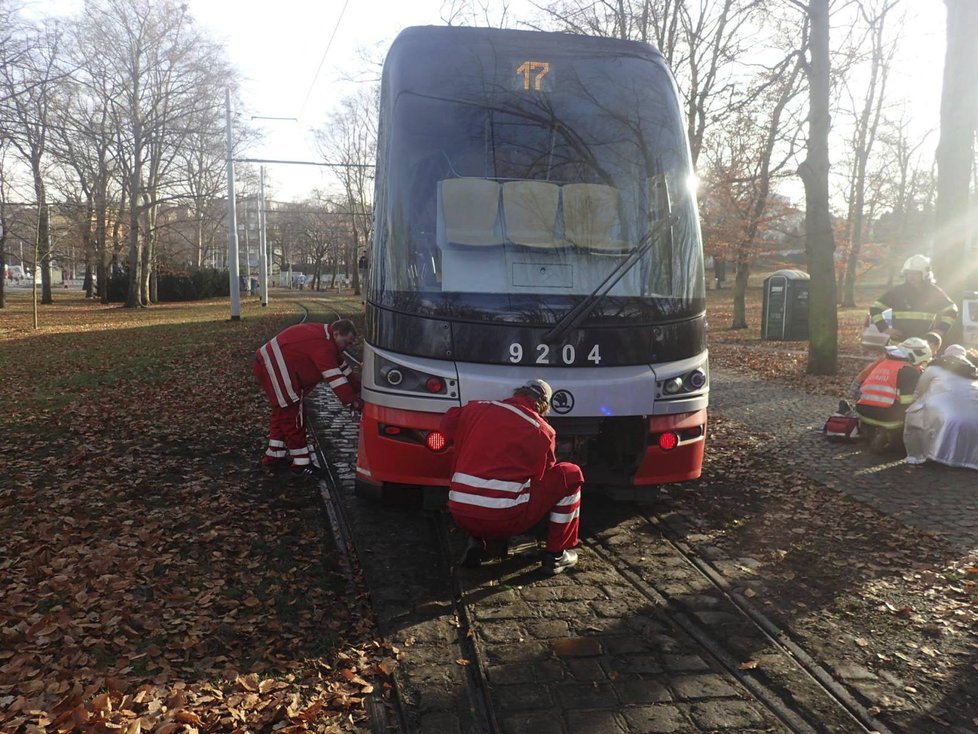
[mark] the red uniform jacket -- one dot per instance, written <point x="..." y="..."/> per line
<point x="500" y="448"/>
<point x="302" y="356"/>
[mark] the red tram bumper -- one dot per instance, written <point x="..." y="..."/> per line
<point x="392" y="449"/>
<point x="680" y="463"/>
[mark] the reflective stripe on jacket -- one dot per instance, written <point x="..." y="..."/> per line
<point x="917" y="309"/>
<point x="300" y="357"/>
<point x="501" y="447"/>
<point x="881" y="388"/>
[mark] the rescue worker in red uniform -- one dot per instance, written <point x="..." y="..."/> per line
<point x="887" y="391"/>
<point x="919" y="306"/>
<point x="506" y="479"/>
<point x="288" y="367"/>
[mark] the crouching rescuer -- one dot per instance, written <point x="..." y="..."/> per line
<point x="505" y="476"/>
<point x="288" y="367"/>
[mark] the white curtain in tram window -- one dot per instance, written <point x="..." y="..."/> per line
<point x="530" y="210"/>
<point x="591" y="216"/>
<point x="470" y="211"/>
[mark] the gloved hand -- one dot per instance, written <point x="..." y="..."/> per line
<point x="356" y="407"/>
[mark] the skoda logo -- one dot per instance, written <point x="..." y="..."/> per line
<point x="562" y="402"/>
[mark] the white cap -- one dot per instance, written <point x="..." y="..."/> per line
<point x="957" y="351"/>
<point x="541" y="388"/>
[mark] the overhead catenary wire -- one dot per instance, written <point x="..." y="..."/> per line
<point x="319" y="68"/>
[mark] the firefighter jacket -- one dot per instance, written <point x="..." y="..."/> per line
<point x="886" y="392"/>
<point x="501" y="447"/>
<point x="300" y="357"/>
<point x="917" y="309"/>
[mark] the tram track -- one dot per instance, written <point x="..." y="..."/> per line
<point x="799" y="692"/>
<point x="803" y="694"/>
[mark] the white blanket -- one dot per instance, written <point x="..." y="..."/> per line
<point x="942" y="424"/>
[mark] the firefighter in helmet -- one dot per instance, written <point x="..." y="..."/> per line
<point x="919" y="306"/>
<point x="887" y="391"/>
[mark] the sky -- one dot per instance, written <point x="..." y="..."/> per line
<point x="279" y="47"/>
<point x="291" y="68"/>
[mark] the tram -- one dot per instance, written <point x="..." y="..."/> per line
<point x="535" y="217"/>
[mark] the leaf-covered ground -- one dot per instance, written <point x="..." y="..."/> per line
<point x="784" y="361"/>
<point x="153" y="580"/>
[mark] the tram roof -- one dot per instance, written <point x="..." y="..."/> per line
<point x="489" y="38"/>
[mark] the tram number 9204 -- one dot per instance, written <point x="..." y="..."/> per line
<point x="545" y="354"/>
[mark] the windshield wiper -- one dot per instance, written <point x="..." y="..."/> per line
<point x="576" y="315"/>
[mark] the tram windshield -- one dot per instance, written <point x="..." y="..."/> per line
<point x="516" y="189"/>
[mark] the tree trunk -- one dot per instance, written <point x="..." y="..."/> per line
<point x="955" y="152"/>
<point x="814" y="171"/>
<point x="741" y="277"/>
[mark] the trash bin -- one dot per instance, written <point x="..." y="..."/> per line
<point x="784" y="313"/>
<point x="969" y="319"/>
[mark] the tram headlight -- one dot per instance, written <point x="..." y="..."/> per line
<point x="394" y="376"/>
<point x="696" y="379"/>
<point x="673" y="386"/>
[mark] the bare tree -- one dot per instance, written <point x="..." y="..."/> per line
<point x="350" y="140"/>
<point x="956" y="151"/>
<point x="166" y="75"/>
<point x="703" y="41"/>
<point x="754" y="150"/>
<point x="881" y="52"/>
<point x="823" y="324"/>
<point x="27" y="87"/>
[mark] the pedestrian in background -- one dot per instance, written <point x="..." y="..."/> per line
<point x="505" y="477"/>
<point x="288" y="367"/>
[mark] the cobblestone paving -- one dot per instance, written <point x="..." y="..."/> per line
<point x="586" y="651"/>
<point x="931" y="497"/>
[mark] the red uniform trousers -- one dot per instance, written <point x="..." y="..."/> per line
<point x="287" y="430"/>
<point x="558" y="493"/>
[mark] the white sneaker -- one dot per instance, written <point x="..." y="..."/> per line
<point x="554" y="563"/>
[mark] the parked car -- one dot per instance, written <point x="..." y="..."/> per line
<point x="873" y="338"/>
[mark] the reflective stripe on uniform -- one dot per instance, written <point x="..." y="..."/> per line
<point x="879" y="423"/>
<point x="563" y="518"/>
<point x="498" y="484"/>
<point x="281" y="380"/>
<point x="516" y="410"/>
<point x="337" y="382"/>
<point x="913" y="315"/>
<point x="465" y="498"/>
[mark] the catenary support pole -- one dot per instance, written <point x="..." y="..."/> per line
<point x="233" y="276"/>
<point x="262" y="240"/>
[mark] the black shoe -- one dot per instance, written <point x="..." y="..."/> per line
<point x="844" y="407"/>
<point x="497" y="548"/>
<point x="308" y="471"/>
<point x="554" y="563"/>
<point x="475" y="553"/>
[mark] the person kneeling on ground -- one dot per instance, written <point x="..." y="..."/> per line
<point x="288" y="367"/>
<point x="505" y="476"/>
<point x="888" y="389"/>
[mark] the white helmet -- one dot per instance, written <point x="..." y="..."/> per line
<point x="917" y="350"/>
<point x="917" y="264"/>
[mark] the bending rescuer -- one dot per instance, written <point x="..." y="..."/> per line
<point x="288" y="367"/>
<point x="505" y="477"/>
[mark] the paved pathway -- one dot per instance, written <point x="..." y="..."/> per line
<point x="931" y="497"/>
